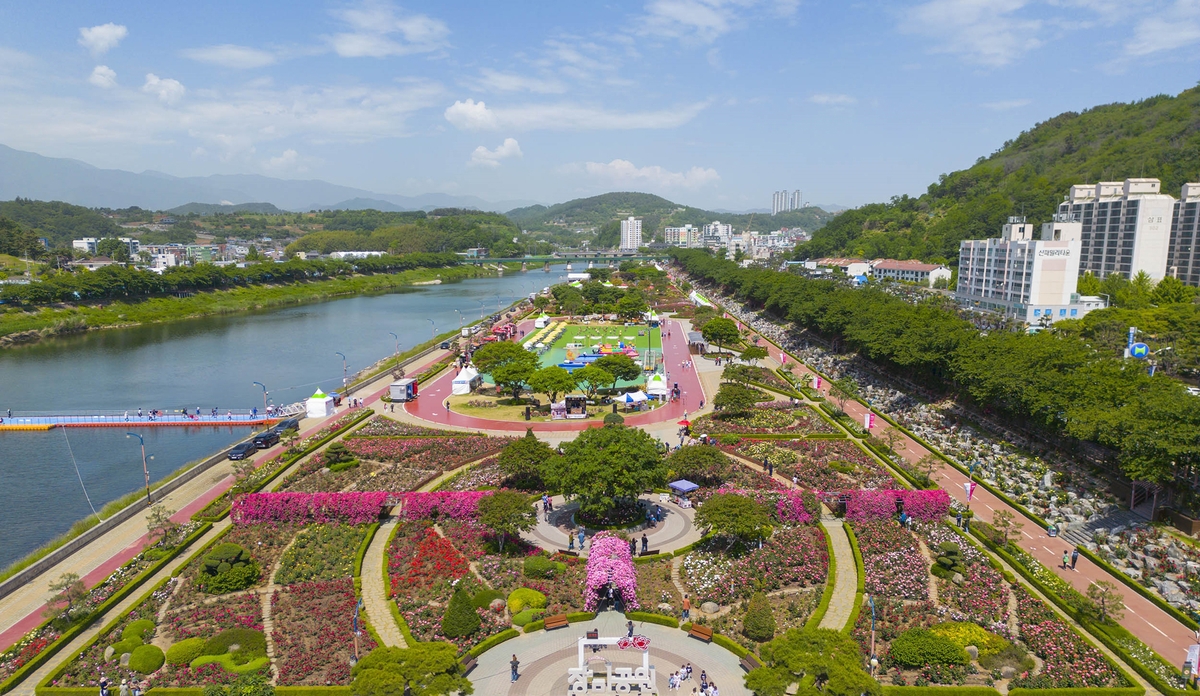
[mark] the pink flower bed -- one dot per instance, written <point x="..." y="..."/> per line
<point x="892" y="563"/>
<point x="348" y="508"/>
<point x="456" y="505"/>
<point x="1068" y="660"/>
<point x="609" y="561"/>
<point x="314" y="638"/>
<point x="926" y="506"/>
<point x="788" y="505"/>
<point x="451" y="451"/>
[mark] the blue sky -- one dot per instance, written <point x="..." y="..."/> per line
<point x="714" y="103"/>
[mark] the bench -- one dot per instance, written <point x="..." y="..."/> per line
<point x="651" y="552"/>
<point x="570" y="552"/>
<point x="750" y="662"/>
<point x="703" y="633"/>
<point x="468" y="664"/>
<point x="556" y="621"/>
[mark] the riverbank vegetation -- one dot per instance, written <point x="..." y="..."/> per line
<point x="1053" y="381"/>
<point x="29" y="323"/>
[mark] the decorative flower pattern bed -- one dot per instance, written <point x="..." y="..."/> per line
<point x="321" y="552"/>
<point x="891" y="560"/>
<point x="777" y="417"/>
<point x="1068" y="660"/>
<point x="795" y="557"/>
<point x="451" y="452"/>
<point x="485" y="474"/>
<point x="818" y="464"/>
<point x="313" y="635"/>
<point x="382" y="426"/>
<point x="655" y="591"/>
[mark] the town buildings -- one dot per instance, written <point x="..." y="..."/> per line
<point x="631" y="234"/>
<point x="1125" y="227"/>
<point x="1183" y="251"/>
<point x="687" y="236"/>
<point x="926" y="274"/>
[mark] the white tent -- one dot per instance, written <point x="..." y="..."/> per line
<point x="656" y="385"/>
<point x="635" y="397"/>
<point x="320" y="405"/>
<point x="466" y="381"/>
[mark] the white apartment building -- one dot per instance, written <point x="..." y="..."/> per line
<point x="716" y="234"/>
<point x="1032" y="279"/>
<point x="910" y="271"/>
<point x="1183" y="254"/>
<point x="851" y="267"/>
<point x="1125" y="227"/>
<point x="782" y="201"/>
<point x="89" y="244"/>
<point x="687" y="236"/>
<point x="631" y="234"/>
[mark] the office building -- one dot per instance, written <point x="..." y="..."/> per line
<point x="631" y="234"/>
<point x="910" y="271"/>
<point x="1032" y="279"/>
<point x="1183" y="254"/>
<point x="716" y="234"/>
<point x="687" y="236"/>
<point x="1125" y="227"/>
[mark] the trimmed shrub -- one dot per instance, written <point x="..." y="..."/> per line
<point x="759" y="623"/>
<point x="138" y="629"/>
<point x="527" y="615"/>
<point x="539" y="567"/>
<point x="963" y="634"/>
<point x="227" y="568"/>
<point x="225" y="556"/>
<point x="186" y="650"/>
<point x="493" y="642"/>
<point x="460" y="619"/>
<point x="918" y="647"/>
<point x="127" y="645"/>
<point x="485" y="597"/>
<point x="146" y="659"/>
<point x="525" y="597"/>
<point x="229" y="665"/>
<point x="614" y="419"/>
<point x="642" y="616"/>
<point x="251" y="644"/>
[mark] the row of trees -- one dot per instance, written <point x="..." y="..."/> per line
<point x="120" y="282"/>
<point x="1053" y="380"/>
<point x="513" y="369"/>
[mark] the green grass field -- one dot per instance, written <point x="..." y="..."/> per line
<point x="647" y="341"/>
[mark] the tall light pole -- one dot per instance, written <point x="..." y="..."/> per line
<point x="393" y="335"/>
<point x="460" y="318"/>
<point x="344" y="377"/>
<point x="432" y="329"/>
<point x="145" y="469"/>
<point x="264" y="388"/>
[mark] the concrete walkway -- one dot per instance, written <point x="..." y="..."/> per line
<point x="545" y="657"/>
<point x="845" y="587"/>
<point x="374" y="594"/>
<point x="674" y="532"/>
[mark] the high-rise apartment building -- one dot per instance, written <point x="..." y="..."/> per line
<point x="1183" y="254"/>
<point x="687" y="236"/>
<point x="783" y="201"/>
<point x="1032" y="279"/>
<point x="1125" y="227"/>
<point x="631" y="234"/>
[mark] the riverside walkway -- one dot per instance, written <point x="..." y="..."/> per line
<point x="117" y="419"/>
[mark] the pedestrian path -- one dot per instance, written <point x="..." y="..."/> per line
<point x="676" y="531"/>
<point x="845" y="584"/>
<point x="374" y="594"/>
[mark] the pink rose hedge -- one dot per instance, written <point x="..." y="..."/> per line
<point x="609" y="560"/>
<point x="303" y="508"/>
<point x="457" y="505"/>
<point x="925" y="506"/>
<point x="788" y="506"/>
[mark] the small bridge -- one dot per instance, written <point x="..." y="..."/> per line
<point x="41" y="421"/>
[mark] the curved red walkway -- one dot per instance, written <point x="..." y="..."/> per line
<point x="429" y="405"/>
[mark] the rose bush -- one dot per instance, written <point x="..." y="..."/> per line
<point x="457" y="505"/>
<point x="608" y="561"/>
<point x="349" y="508"/>
<point x="313" y="637"/>
<point x="892" y="563"/>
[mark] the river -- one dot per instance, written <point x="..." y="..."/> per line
<point x="205" y="363"/>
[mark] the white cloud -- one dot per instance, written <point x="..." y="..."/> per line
<point x="621" y="172"/>
<point x="987" y="32"/>
<point x="287" y="161"/>
<point x="103" y="76"/>
<point x="167" y="90"/>
<point x="825" y="99"/>
<point x="703" y="20"/>
<point x="1007" y="104"/>
<point x="483" y="157"/>
<point x="230" y="56"/>
<point x="473" y="115"/>
<point x="99" y="39"/>
<point x="495" y="81"/>
<point x="378" y="30"/>
<point x="1176" y="27"/>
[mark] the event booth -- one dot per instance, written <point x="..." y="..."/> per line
<point x="320" y="405"/>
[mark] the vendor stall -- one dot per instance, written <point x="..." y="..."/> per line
<point x="319" y="405"/>
<point x="467" y="381"/>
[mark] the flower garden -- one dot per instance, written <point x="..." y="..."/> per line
<point x="776" y="417"/>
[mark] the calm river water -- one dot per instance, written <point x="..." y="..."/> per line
<point x="197" y="363"/>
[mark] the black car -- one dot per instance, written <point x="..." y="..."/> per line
<point x="285" y="425"/>
<point x="265" y="439"/>
<point x="243" y="450"/>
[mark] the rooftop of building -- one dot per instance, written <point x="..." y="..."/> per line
<point x="894" y="265"/>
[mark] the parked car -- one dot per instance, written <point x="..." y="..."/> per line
<point x="285" y="425"/>
<point x="266" y="439"/>
<point x="243" y="450"/>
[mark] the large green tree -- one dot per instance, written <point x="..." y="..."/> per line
<point x="632" y="306"/>
<point x="527" y="461"/>
<point x="606" y="468"/>
<point x="720" y="331"/>
<point x="733" y="515"/>
<point x="735" y="398"/>
<point x="552" y="381"/>
<point x="509" y="365"/>
<point x="704" y="465"/>
<point x="591" y="378"/>
<point x="429" y="669"/>
<point x="620" y="366"/>
<point x="508" y="513"/>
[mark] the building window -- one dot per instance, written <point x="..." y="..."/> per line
<point x="1062" y="312"/>
<point x="1074" y="312"/>
<point x="1037" y="312"/>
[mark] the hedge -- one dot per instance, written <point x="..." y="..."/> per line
<point x="537" y="625"/>
<point x="889" y="690"/>
<point x="723" y="641"/>
<point x="647" y="617"/>
<point x="651" y="559"/>
<point x="358" y="558"/>
<point x="862" y="588"/>
<point x="199" y="691"/>
<point x="830" y="582"/>
<point x="840" y="435"/>
<point x="1090" y="691"/>
<point x="574" y="617"/>
<point x="387" y="586"/>
<point x="119" y="595"/>
<point x="493" y="641"/>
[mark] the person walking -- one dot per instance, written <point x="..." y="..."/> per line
<point x="645" y="543"/>
<point x="124" y="691"/>
<point x="628" y="629"/>
<point x="1074" y="557"/>
<point x="687" y="607"/>
<point x="1066" y="560"/>
<point x="582" y="537"/>
<point x="514" y="664"/>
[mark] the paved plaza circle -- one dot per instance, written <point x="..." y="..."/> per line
<point x="676" y="531"/>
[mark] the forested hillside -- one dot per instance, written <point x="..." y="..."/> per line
<point x="440" y="231"/>
<point x="56" y="221"/>
<point x="603" y="215"/>
<point x="1156" y="137"/>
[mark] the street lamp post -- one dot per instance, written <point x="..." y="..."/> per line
<point x="344" y="375"/>
<point x="264" y="389"/>
<point x="145" y="469"/>
<point x="393" y="335"/>
<point x="432" y="329"/>
<point x="460" y="318"/>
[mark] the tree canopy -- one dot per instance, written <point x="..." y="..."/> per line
<point x="508" y="513"/>
<point x="733" y="515"/>
<point x="720" y="331"/>
<point x="620" y="366"/>
<point x="824" y="663"/>
<point x="526" y="461"/>
<point x="509" y="365"/>
<point x="608" y="467"/>
<point x="430" y="669"/>
<point x="552" y="381"/>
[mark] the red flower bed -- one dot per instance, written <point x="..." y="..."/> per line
<point x="314" y="633"/>
<point x="419" y="559"/>
<point x="205" y="620"/>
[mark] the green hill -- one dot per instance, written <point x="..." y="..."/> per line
<point x="1156" y="137"/>
<point x="216" y="208"/>
<point x="600" y="217"/>
<point x="58" y="222"/>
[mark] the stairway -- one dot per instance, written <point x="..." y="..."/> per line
<point x="1116" y="518"/>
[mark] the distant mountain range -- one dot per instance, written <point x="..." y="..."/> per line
<point x="30" y="175"/>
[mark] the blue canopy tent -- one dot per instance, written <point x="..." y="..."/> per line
<point x="682" y="486"/>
